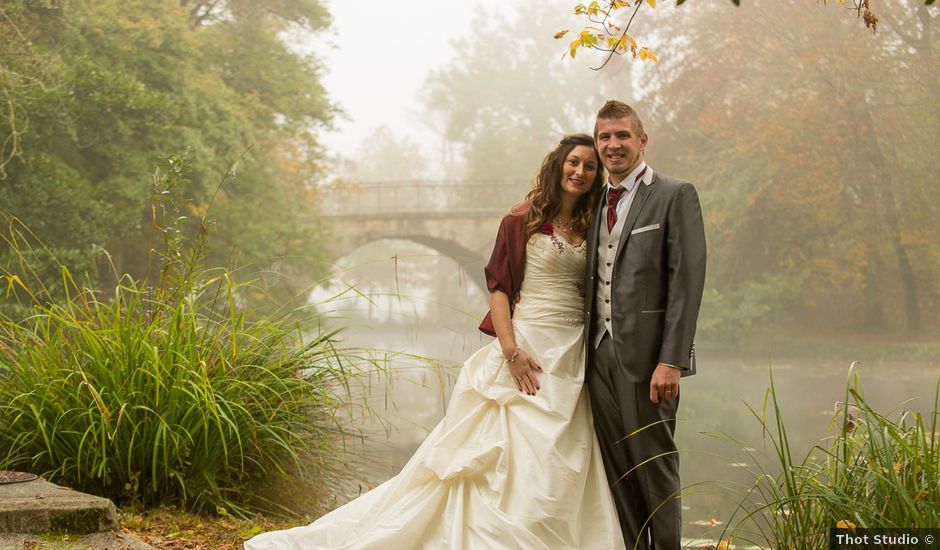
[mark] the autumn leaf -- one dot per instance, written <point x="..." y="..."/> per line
<point x="560" y="34"/>
<point x="587" y="38"/>
<point x="627" y="39"/>
<point x="652" y="3"/>
<point x="845" y="524"/>
<point x="646" y="54"/>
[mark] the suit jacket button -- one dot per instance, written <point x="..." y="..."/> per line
<point x="607" y="319"/>
<point x="610" y="246"/>
<point x="607" y="283"/>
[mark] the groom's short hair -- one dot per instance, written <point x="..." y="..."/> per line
<point x="619" y="109"/>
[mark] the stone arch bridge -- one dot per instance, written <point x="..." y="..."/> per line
<point x="457" y="218"/>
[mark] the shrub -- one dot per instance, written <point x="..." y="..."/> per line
<point x="163" y="392"/>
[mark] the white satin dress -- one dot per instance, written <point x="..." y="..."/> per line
<point x="502" y="470"/>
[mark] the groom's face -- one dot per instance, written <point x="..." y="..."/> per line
<point x="620" y="145"/>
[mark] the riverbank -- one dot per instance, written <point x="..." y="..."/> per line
<point x="829" y="347"/>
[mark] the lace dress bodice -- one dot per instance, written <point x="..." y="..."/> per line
<point x="554" y="277"/>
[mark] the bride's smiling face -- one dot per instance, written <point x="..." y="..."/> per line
<point x="578" y="171"/>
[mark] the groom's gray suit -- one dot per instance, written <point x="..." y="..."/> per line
<point x="653" y="273"/>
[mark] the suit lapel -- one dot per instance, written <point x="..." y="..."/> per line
<point x="643" y="192"/>
<point x="592" y="237"/>
<point x="594" y="232"/>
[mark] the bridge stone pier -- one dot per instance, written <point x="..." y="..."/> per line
<point x="457" y="218"/>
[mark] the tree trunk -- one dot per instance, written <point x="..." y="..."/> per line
<point x="874" y="294"/>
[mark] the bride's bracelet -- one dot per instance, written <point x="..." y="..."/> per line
<point x="515" y="354"/>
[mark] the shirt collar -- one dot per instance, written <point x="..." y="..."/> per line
<point x="629" y="181"/>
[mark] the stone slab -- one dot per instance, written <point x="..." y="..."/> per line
<point x="41" y="507"/>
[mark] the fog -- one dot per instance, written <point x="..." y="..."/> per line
<point x="808" y="137"/>
<point x="358" y="156"/>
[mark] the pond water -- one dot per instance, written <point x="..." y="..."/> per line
<point x="409" y="401"/>
<point x="421" y="303"/>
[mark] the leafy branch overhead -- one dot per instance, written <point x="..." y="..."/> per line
<point x="602" y="32"/>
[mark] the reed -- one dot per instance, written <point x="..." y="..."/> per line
<point x="875" y="471"/>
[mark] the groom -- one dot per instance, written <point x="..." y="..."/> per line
<point x="646" y="271"/>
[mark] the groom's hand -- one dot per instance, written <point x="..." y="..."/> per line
<point x="665" y="383"/>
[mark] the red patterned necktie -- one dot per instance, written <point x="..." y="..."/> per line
<point x="613" y="197"/>
<point x="614" y="194"/>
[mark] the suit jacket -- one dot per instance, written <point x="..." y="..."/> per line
<point x="658" y="278"/>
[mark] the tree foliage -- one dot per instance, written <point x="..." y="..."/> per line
<point x="815" y="157"/>
<point x="506" y="111"/>
<point x="98" y="93"/>
<point x="608" y="32"/>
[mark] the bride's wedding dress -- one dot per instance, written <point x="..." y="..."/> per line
<point x="502" y="469"/>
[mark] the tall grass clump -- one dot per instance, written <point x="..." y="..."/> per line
<point x="874" y="472"/>
<point x="161" y="390"/>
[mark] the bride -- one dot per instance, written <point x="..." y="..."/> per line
<point x="514" y="463"/>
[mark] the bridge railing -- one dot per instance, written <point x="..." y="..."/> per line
<point x="421" y="198"/>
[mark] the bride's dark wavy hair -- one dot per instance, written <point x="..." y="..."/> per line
<point x="545" y="196"/>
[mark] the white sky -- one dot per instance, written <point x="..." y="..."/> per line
<point x="382" y="53"/>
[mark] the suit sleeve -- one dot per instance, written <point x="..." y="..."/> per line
<point x="685" y="250"/>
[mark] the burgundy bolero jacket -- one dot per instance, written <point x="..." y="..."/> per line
<point x="506" y="267"/>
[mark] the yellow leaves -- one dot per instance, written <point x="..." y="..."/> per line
<point x="587" y="38"/>
<point x="592" y="9"/>
<point x="573" y="48"/>
<point x="845" y="524"/>
<point x="645" y="54"/>
<point x="609" y="38"/>
<point x="724" y="544"/>
<point x="627" y="43"/>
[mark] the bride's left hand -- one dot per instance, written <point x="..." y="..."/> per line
<point x="524" y="371"/>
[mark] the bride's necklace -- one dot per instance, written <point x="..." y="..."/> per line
<point x="565" y="225"/>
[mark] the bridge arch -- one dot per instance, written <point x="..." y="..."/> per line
<point x="458" y="219"/>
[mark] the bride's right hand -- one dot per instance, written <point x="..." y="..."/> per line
<point x="524" y="371"/>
